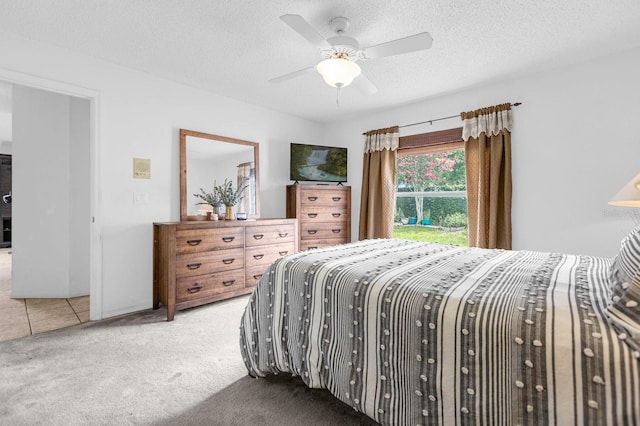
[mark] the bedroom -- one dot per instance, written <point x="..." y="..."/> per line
<point x="574" y="135"/>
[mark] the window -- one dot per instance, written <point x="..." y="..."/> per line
<point x="431" y="197"/>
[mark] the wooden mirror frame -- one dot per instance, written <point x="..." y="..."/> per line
<point x="184" y="133"/>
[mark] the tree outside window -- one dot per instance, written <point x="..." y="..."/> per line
<point x="437" y="184"/>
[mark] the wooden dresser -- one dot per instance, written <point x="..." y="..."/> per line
<point x="323" y="213"/>
<point x="198" y="262"/>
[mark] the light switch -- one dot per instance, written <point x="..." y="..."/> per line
<point x="140" y="198"/>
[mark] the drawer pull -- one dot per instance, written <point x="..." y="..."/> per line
<point x="194" y="288"/>
<point x="312" y="231"/>
<point x="193" y="266"/>
<point x="312" y="198"/>
<point x="336" y="231"/>
<point x="283" y="234"/>
<point x="194" y="242"/>
<point x="257" y="276"/>
<point x="228" y="283"/>
<point x="283" y="252"/>
<point x="336" y="199"/>
<point x="312" y="215"/>
<point x="228" y="261"/>
<point x="228" y="239"/>
<point x="312" y="247"/>
<point x="258" y="236"/>
<point x="258" y="256"/>
<point x="336" y="214"/>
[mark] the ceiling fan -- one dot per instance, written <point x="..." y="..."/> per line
<point x="340" y="53"/>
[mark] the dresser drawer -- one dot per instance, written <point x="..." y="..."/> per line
<point x="269" y="234"/>
<point x="319" y="243"/>
<point x="311" y="230"/>
<point x="254" y="274"/>
<point x="265" y="255"/>
<point x="206" y="285"/>
<point x="197" y="240"/>
<point x="209" y="261"/>
<point x="322" y="214"/>
<point x="319" y="197"/>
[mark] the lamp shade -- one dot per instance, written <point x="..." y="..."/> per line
<point x="629" y="195"/>
<point x="338" y="72"/>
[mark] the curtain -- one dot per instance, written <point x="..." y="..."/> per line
<point x="377" y="202"/>
<point x="487" y="136"/>
<point x="246" y="177"/>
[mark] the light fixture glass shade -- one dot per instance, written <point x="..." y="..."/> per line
<point x="338" y="72"/>
<point x="629" y="195"/>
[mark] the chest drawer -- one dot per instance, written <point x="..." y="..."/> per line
<point x="312" y="230"/>
<point x="270" y="234"/>
<point x="197" y="240"/>
<point x="322" y="214"/>
<point x="311" y="197"/>
<point x="209" y="261"/>
<point x="319" y="243"/>
<point x="201" y="286"/>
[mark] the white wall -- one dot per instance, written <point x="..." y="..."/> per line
<point x="575" y="143"/>
<point x="139" y="116"/>
<point x="5" y="133"/>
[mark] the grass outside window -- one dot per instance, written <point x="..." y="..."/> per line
<point x="431" y="234"/>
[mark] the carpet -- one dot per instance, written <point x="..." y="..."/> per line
<point x="140" y="369"/>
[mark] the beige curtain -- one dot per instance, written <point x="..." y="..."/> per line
<point x="246" y="177"/>
<point x="487" y="136"/>
<point x="377" y="202"/>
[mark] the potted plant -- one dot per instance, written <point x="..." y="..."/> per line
<point x="209" y="198"/>
<point x="426" y="218"/>
<point x="399" y="217"/>
<point x="228" y="196"/>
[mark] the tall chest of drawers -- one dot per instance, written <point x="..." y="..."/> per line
<point x="205" y="261"/>
<point x="323" y="213"/>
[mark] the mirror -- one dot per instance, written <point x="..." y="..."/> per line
<point x="205" y="158"/>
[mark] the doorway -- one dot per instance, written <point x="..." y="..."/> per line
<point x="92" y="262"/>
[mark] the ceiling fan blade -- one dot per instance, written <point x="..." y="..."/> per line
<point x="291" y="75"/>
<point x="303" y="28"/>
<point x="412" y="43"/>
<point x="364" y="85"/>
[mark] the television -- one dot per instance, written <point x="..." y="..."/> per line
<point x="317" y="163"/>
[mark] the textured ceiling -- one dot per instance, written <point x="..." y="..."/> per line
<point x="232" y="47"/>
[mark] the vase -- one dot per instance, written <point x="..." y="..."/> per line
<point x="228" y="213"/>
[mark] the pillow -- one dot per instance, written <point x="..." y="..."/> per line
<point x="624" y="274"/>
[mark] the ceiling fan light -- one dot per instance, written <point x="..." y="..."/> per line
<point x="338" y="72"/>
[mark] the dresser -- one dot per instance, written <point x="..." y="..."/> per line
<point x="323" y="213"/>
<point x="198" y="262"/>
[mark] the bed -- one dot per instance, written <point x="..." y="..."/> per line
<point x="413" y="333"/>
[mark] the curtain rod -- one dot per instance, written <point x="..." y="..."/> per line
<point x="515" y="104"/>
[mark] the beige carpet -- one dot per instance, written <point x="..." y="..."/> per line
<point x="140" y="369"/>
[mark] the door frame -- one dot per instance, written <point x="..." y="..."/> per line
<point x="95" y="229"/>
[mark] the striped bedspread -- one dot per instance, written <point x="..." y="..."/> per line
<point x="417" y="333"/>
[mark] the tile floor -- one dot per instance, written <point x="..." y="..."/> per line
<point x="23" y="317"/>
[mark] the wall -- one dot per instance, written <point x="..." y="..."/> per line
<point x="574" y="145"/>
<point x="139" y="116"/>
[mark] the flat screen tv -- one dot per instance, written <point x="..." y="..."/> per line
<point x="316" y="163"/>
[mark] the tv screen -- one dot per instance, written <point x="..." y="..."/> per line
<point x="318" y="163"/>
